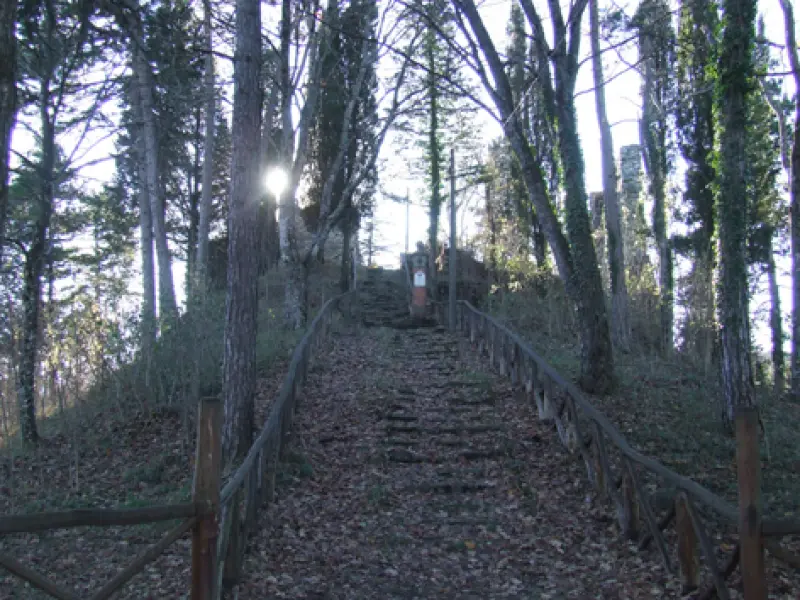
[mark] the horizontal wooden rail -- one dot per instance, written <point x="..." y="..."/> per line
<point x="560" y="402"/>
<point x="97" y="517"/>
<point x="41" y="582"/>
<point x="723" y="508"/>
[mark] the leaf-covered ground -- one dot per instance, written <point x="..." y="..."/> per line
<point x="415" y="473"/>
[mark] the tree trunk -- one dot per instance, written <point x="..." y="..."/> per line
<point x="620" y="321"/>
<point x="35" y="261"/>
<point x="241" y="314"/>
<point x="370" y="238"/>
<point x="653" y="131"/>
<point x="193" y="212"/>
<point x="293" y="313"/>
<point x="8" y="102"/>
<point x="209" y="117"/>
<point x="736" y="73"/>
<point x="776" y="324"/>
<point x="539" y="242"/>
<point x="492" y="222"/>
<point x="148" y="313"/>
<point x="31" y="301"/>
<point x="703" y="317"/>
<point x="434" y="150"/>
<point x="192" y="232"/>
<point x="296" y="295"/>
<point x="344" y="276"/>
<point x="794" y="207"/>
<point x="166" y="291"/>
<point x="794" y="211"/>
<point x="597" y="369"/>
<point x="596" y="202"/>
<point x="732" y="207"/>
<point x="633" y="243"/>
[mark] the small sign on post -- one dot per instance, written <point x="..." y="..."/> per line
<point x="419" y="293"/>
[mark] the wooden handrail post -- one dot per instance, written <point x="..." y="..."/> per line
<point x="629" y="521"/>
<point x="687" y="545"/>
<point x="748" y="468"/>
<point x="206" y="493"/>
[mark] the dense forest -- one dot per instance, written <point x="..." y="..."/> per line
<point x="139" y="226"/>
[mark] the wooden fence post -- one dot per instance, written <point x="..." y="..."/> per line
<point x="629" y="518"/>
<point x="206" y="494"/>
<point x="687" y="545"/>
<point x="748" y="468"/>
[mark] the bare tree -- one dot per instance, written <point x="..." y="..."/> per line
<point x="620" y="322"/>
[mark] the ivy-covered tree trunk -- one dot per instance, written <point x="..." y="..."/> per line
<point x="37" y="254"/>
<point x="241" y="307"/>
<point x="620" y="321"/>
<point x="597" y="369"/>
<point x="168" y="308"/>
<point x="597" y="215"/>
<point x="209" y="119"/>
<point x="655" y="40"/>
<point x="634" y="226"/>
<point x="732" y="207"/>
<point x="696" y="135"/>
<point x="8" y="102"/>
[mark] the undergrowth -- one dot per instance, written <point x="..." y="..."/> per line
<point x="129" y="440"/>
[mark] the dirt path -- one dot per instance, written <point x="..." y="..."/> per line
<point x="414" y="473"/>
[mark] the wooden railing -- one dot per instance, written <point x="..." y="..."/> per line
<point x="628" y="479"/>
<point x="190" y="514"/>
<point x="217" y="551"/>
<point x="252" y="486"/>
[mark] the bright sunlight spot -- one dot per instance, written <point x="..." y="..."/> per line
<point x="277" y="180"/>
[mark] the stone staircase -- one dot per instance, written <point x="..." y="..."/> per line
<point x="383" y="299"/>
